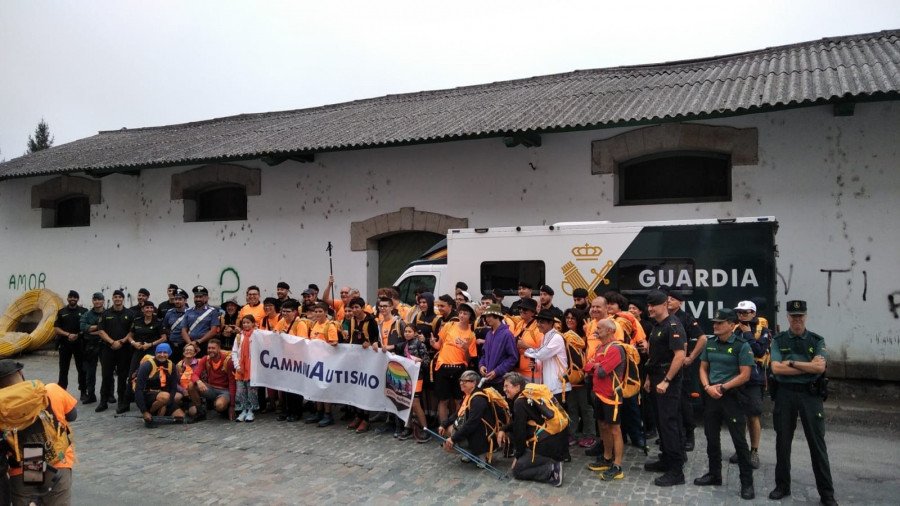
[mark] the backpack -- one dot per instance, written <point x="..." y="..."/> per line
<point x="26" y="417"/>
<point x="153" y="368"/>
<point x="637" y="330"/>
<point x="555" y="419"/>
<point x="575" y="352"/>
<point x="500" y="408"/>
<point x="630" y="382"/>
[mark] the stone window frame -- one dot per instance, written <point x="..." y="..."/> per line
<point x="189" y="184"/>
<point x="47" y="195"/>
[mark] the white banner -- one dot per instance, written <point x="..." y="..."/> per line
<point x="342" y="374"/>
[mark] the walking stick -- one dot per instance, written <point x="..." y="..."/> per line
<point x="330" y="269"/>
<point x="482" y="464"/>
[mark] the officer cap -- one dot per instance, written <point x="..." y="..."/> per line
<point x="200" y="290"/>
<point x="180" y="294"/>
<point x="724" y="315"/>
<point x="546" y="289"/>
<point x="796" y="307"/>
<point x="656" y="297"/>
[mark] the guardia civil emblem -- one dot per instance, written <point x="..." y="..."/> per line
<point x="572" y="276"/>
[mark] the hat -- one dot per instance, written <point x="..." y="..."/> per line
<point x="282" y="284"/>
<point x="462" y="285"/>
<point x="9" y="366"/>
<point x="529" y="304"/>
<point x="493" y="309"/>
<point x="308" y="292"/>
<point x="231" y="301"/>
<point x="656" y="297"/>
<point x="466" y="295"/>
<point x="545" y="315"/>
<point x="120" y="293"/>
<point x="546" y="289"/>
<point x="180" y="294"/>
<point x="672" y="293"/>
<point x="200" y="290"/>
<point x="144" y="291"/>
<point x="469" y="306"/>
<point x="745" y="305"/>
<point x="525" y="284"/>
<point x="313" y="286"/>
<point x="581" y="293"/>
<point x="796" y="307"/>
<point x="149" y="303"/>
<point x="98" y="296"/>
<point x="73" y="293"/>
<point x="163" y="347"/>
<point x="172" y="286"/>
<point x="724" y="315"/>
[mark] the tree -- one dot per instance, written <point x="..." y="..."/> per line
<point x="42" y="138"/>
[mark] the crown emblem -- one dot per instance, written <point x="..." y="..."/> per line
<point x="796" y="304"/>
<point x="587" y="252"/>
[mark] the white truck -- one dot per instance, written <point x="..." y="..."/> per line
<point x="714" y="263"/>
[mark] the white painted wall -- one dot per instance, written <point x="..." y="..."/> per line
<point x="832" y="182"/>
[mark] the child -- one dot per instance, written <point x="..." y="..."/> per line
<point x="245" y="397"/>
<point x="414" y="348"/>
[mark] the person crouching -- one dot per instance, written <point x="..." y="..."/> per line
<point x="155" y="387"/>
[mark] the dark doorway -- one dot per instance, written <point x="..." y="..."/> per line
<point x="398" y="250"/>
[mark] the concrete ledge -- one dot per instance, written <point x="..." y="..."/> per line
<point x="364" y="234"/>
<point x="46" y="194"/>
<point x="186" y="184"/>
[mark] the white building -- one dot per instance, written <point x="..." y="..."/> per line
<point x="808" y="133"/>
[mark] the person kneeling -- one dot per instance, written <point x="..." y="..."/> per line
<point x="213" y="381"/>
<point x="466" y="427"/>
<point x="155" y="387"/>
<point x="546" y="453"/>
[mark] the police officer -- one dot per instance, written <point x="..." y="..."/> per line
<point x="725" y="365"/>
<point x="798" y="363"/>
<point x="91" y="335"/>
<point x="201" y="322"/>
<point x="68" y="337"/>
<point x="664" y="379"/>
<point x="114" y="329"/>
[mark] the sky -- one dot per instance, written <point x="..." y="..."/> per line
<point x="93" y="65"/>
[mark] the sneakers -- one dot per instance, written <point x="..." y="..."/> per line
<point x="601" y="464"/>
<point x="384" y="429"/>
<point x="362" y="427"/>
<point x="354" y="424"/>
<point x="572" y="441"/>
<point x="671" y="478"/>
<point x="556" y="474"/>
<point x="426" y="437"/>
<point x="754" y="459"/>
<point x="326" y="420"/>
<point x="587" y="442"/>
<point x="316" y="418"/>
<point x="613" y="473"/>
<point x="249" y="416"/>
<point x="242" y="417"/>
<point x="406" y="434"/>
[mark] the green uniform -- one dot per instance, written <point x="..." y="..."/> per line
<point x="725" y="360"/>
<point x="794" y="398"/>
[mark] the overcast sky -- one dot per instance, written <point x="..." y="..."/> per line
<point x="86" y="66"/>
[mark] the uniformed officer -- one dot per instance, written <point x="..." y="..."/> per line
<point x="798" y="363"/>
<point x="201" y="322"/>
<point x="664" y="380"/>
<point x="725" y="365"/>
<point x="68" y="337"/>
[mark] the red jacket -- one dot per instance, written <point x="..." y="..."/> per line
<point x="221" y="377"/>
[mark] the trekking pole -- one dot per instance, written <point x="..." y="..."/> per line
<point x="155" y="418"/>
<point x="482" y="464"/>
<point x="330" y="269"/>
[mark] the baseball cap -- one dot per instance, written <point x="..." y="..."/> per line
<point x="745" y="305"/>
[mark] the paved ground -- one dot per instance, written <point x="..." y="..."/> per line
<point x="269" y="462"/>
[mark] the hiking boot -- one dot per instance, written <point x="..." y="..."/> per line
<point x="316" y="418"/>
<point x="779" y="493"/>
<point x="733" y="458"/>
<point x="426" y="437"/>
<point x="250" y="417"/>
<point x="326" y="420"/>
<point x="101" y="407"/>
<point x="656" y="467"/>
<point x="671" y="478"/>
<point x="242" y="417"/>
<point x="91" y="398"/>
<point x="708" y="479"/>
<point x="747" y="492"/>
<point x="362" y="427"/>
<point x="754" y="459"/>
<point x="613" y="473"/>
<point x="354" y="424"/>
<point x="556" y="474"/>
<point x="406" y="434"/>
<point x="601" y="464"/>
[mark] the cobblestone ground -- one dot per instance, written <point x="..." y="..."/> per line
<point x="270" y="462"/>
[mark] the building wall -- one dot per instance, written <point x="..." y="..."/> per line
<point x="832" y="183"/>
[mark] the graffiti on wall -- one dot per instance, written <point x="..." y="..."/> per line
<point x="229" y="272"/>
<point x="894" y="303"/>
<point x="27" y="281"/>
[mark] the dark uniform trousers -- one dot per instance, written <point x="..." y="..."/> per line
<point x="668" y="420"/>
<point x="728" y="411"/>
<point x="791" y="400"/>
<point x="114" y="362"/>
<point x="67" y="350"/>
<point x="91" y="357"/>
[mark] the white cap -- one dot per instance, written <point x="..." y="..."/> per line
<point x="745" y="305"/>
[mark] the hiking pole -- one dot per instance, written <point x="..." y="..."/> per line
<point x="330" y="270"/>
<point x="155" y="418"/>
<point x="482" y="464"/>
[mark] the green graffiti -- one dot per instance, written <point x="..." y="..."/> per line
<point x="27" y="281"/>
<point x="237" y="279"/>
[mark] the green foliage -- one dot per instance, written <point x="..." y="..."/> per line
<point x="41" y="139"/>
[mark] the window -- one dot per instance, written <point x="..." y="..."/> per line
<point x="74" y="211"/>
<point x="222" y="203"/>
<point x="505" y="276"/>
<point x="675" y="177"/>
<point x="408" y="286"/>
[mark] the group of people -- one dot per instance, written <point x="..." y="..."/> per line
<point x="180" y="362"/>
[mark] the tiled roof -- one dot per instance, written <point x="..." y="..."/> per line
<point x="853" y="67"/>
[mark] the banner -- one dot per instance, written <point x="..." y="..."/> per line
<point x="342" y="374"/>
